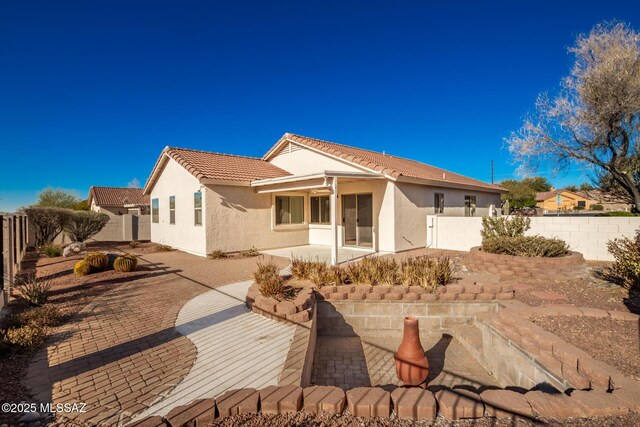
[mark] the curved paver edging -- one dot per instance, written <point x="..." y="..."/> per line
<point x="298" y="310"/>
<point x="409" y="403"/>
<point x="509" y="265"/>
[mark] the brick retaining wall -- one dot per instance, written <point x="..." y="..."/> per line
<point x="521" y="266"/>
<point x="410" y="403"/>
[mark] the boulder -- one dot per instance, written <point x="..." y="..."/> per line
<point x="74" y="249"/>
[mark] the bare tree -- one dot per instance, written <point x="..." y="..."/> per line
<point x="594" y="121"/>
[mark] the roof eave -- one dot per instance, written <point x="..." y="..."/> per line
<point x="448" y="184"/>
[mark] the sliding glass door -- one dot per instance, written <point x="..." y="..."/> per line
<point x="357" y="220"/>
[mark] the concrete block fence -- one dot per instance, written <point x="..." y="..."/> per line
<point x="587" y="235"/>
<point x="120" y="228"/>
<point x="14" y="235"/>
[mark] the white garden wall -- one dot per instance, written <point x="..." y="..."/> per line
<point x="587" y="235"/>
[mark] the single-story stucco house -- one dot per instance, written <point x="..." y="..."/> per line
<point x="304" y="191"/>
<point x="118" y="200"/>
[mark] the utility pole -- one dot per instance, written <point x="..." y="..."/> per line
<point x="491" y="172"/>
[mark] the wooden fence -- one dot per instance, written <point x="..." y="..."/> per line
<point x="13" y="240"/>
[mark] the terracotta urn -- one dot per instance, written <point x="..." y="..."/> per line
<point x="412" y="366"/>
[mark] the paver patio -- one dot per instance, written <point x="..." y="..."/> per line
<point x="121" y="353"/>
<point x="226" y="358"/>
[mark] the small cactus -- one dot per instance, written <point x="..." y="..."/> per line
<point x="82" y="268"/>
<point x="125" y="263"/>
<point x="97" y="260"/>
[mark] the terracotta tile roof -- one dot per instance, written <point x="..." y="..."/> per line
<point x="226" y="167"/>
<point x="118" y="196"/>
<point x="389" y="165"/>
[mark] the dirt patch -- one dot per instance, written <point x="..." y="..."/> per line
<point x="346" y="420"/>
<point x="615" y="342"/>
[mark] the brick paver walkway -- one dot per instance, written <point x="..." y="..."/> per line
<point x="349" y="362"/>
<point x="121" y="353"/>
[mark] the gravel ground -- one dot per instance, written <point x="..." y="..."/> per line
<point x="615" y="342"/>
<point x="344" y="420"/>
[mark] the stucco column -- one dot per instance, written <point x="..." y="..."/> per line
<point x="334" y="221"/>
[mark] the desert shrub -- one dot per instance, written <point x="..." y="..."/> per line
<point x="125" y="263"/>
<point x="82" y="268"/>
<point x="47" y="315"/>
<point x="98" y="261"/>
<point x="625" y="270"/>
<point x="597" y="207"/>
<point x="134" y="244"/>
<point x="47" y="222"/>
<point x="502" y="226"/>
<point x="265" y="270"/>
<point x="33" y="290"/>
<point x="24" y="337"/>
<point x="529" y="246"/>
<point x="81" y="225"/>
<point x="217" y="254"/>
<point x="251" y="252"/>
<point x="52" y="251"/>
<point x="618" y="213"/>
<point x="270" y="283"/>
<point x="300" y="268"/>
<point x="428" y="273"/>
<point x="165" y="248"/>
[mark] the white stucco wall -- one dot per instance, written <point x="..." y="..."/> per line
<point x="240" y="218"/>
<point x="184" y="234"/>
<point x="414" y="202"/>
<point x="303" y="161"/>
<point x="587" y="235"/>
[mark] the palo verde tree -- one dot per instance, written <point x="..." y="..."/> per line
<point x="594" y="120"/>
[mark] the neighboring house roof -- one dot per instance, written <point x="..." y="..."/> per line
<point x="117" y="196"/>
<point x="210" y="166"/>
<point x="546" y="195"/>
<point x="392" y="166"/>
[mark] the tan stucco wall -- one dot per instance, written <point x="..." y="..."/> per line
<point x="240" y="218"/>
<point x="414" y="202"/>
<point x="303" y="161"/>
<point x="569" y="202"/>
<point x="183" y="235"/>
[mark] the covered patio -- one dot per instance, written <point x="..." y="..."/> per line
<point x="321" y="253"/>
<point x="341" y="210"/>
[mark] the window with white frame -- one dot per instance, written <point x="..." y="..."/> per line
<point x="172" y="209"/>
<point x="197" y="207"/>
<point x="438" y="203"/>
<point x="155" y="211"/>
<point x="289" y="210"/>
<point x="320" y="210"/>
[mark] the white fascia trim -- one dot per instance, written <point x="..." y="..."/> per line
<point x="322" y="175"/>
<point x="443" y="184"/>
<point x="155" y="172"/>
<point x="209" y="181"/>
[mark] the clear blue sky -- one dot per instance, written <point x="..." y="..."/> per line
<point x="91" y="91"/>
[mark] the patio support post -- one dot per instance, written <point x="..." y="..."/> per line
<point x="334" y="221"/>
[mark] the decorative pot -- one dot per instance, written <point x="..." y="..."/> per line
<point x="412" y="366"/>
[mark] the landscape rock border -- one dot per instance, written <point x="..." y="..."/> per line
<point x="410" y="403"/>
<point x="479" y="261"/>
